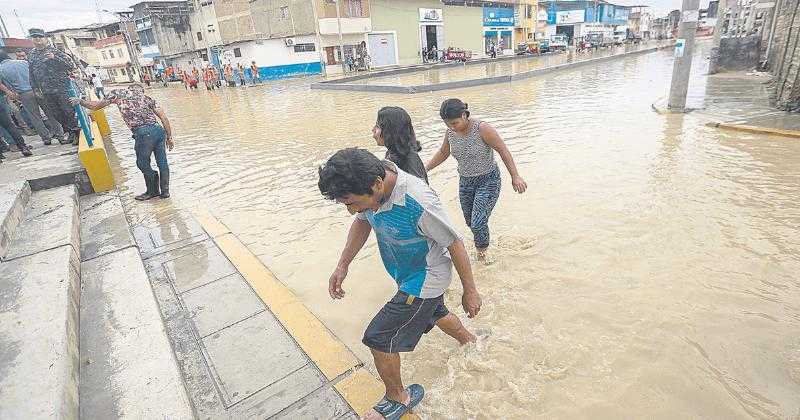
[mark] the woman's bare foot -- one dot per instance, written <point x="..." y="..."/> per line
<point x="483" y="256"/>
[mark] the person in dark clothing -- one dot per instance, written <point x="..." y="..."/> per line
<point x="394" y="130"/>
<point x="11" y="129"/>
<point x="50" y="77"/>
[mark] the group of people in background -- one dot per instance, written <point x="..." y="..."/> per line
<point x="212" y="78"/>
<point x="418" y="244"/>
<point x="34" y="92"/>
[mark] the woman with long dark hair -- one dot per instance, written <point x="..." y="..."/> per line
<point x="473" y="143"/>
<point x="394" y="130"/>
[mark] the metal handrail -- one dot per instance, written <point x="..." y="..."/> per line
<point x="82" y="120"/>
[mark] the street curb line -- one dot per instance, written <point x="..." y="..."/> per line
<point x="360" y="389"/>
<point x="342" y="84"/>
<point x="757" y="130"/>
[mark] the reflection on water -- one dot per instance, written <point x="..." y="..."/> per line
<point x="650" y="271"/>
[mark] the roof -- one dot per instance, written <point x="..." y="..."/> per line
<point x="16" y="43"/>
<point x="176" y="2"/>
<point x="112" y="40"/>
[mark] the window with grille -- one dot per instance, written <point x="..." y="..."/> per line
<point x="354" y="8"/>
<point x="283" y="12"/>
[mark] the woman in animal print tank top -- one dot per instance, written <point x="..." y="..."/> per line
<point x="473" y="143"/>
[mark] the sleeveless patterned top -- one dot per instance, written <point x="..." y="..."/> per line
<point x="474" y="156"/>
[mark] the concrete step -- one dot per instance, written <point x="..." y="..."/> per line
<point x="13" y="199"/>
<point x="127" y="367"/>
<point x="39" y="300"/>
<point x="50" y="220"/>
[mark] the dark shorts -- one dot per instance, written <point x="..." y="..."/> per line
<point x="399" y="325"/>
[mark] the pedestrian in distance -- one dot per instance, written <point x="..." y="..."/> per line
<point x="418" y="245"/>
<point x="99" y="90"/>
<point x="51" y="72"/>
<point x="394" y="130"/>
<point x="473" y="144"/>
<point x="240" y="74"/>
<point x="141" y="113"/>
<point x="254" y="73"/>
<point x="15" y="83"/>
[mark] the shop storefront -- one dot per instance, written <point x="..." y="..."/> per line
<point x="498" y="28"/>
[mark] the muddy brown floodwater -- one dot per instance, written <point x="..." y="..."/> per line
<point x="652" y="270"/>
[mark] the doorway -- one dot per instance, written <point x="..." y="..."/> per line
<point x="431" y="36"/>
<point x="568" y="30"/>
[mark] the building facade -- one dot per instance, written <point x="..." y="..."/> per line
<point x="77" y="42"/>
<point x="116" y="59"/>
<point x="401" y="31"/>
<point x="165" y="33"/>
<point x="576" y="19"/>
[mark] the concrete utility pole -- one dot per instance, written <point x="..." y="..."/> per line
<point x="684" y="49"/>
<point x="713" y="62"/>
<point x="341" y="37"/>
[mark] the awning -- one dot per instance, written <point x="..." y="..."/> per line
<point x="505" y="33"/>
<point x="490" y="34"/>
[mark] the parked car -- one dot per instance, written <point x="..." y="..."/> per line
<point x="558" y="43"/>
<point x="544" y="46"/>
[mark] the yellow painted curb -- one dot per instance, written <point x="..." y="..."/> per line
<point x="95" y="161"/>
<point x="362" y="391"/>
<point x="360" y="388"/>
<point x="329" y="354"/>
<point x="758" y="130"/>
<point x="99" y="116"/>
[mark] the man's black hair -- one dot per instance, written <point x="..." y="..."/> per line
<point x="350" y="171"/>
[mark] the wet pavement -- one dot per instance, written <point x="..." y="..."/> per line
<point x="647" y="272"/>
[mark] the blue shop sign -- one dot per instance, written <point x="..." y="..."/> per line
<point x="616" y="15"/>
<point x="498" y="16"/>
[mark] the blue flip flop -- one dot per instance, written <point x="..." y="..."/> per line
<point x="393" y="410"/>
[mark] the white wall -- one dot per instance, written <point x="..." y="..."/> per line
<point x="271" y="52"/>
<point x="330" y="26"/>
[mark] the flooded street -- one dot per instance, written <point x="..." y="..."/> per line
<point x="650" y="271"/>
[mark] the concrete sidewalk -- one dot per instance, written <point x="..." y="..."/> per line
<point x="246" y="346"/>
<point x="739" y="101"/>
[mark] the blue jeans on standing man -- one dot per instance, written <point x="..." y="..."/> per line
<point x="478" y="195"/>
<point x="151" y="140"/>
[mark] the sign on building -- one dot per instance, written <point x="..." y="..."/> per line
<point x="431" y="15"/>
<point x="498" y="16"/>
<point x="570" y="16"/>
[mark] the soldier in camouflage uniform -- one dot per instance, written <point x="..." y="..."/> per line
<point x="50" y="78"/>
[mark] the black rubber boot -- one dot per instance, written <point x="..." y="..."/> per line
<point x="24" y="148"/>
<point x="152" y="188"/>
<point x="164" y="184"/>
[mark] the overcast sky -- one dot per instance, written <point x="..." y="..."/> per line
<point x="59" y="14"/>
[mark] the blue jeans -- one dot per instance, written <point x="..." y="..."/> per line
<point x="7" y="128"/>
<point x="478" y="196"/>
<point x="151" y="139"/>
